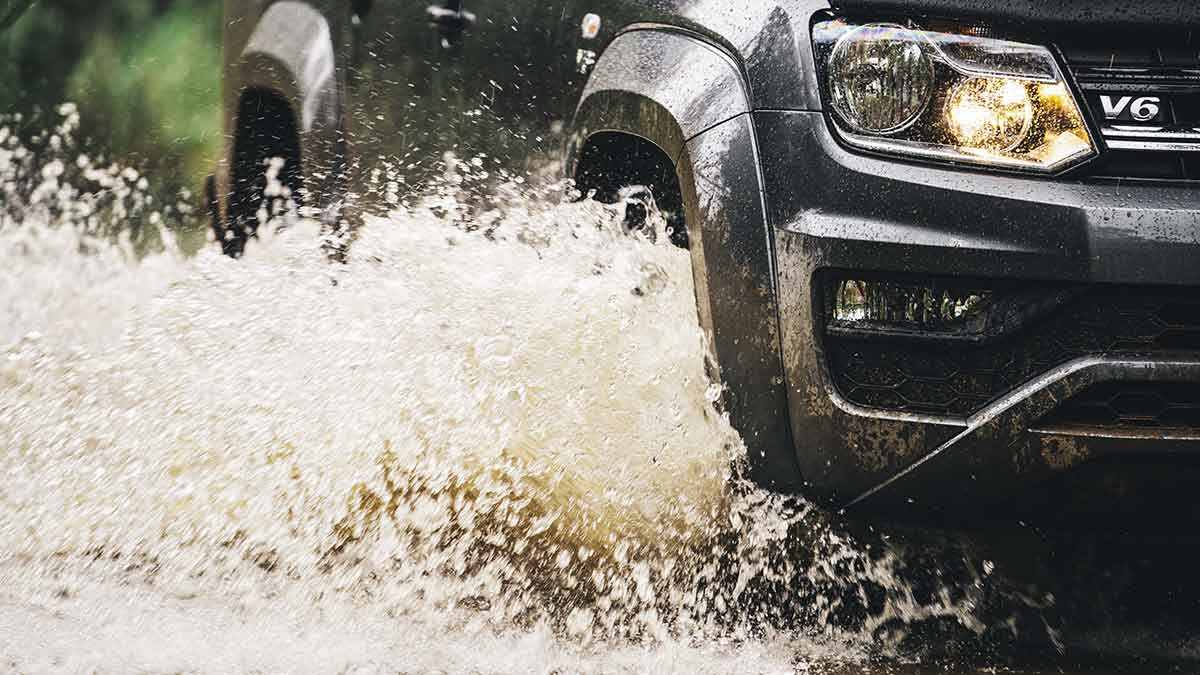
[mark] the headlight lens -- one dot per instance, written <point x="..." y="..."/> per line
<point x="949" y="96"/>
<point x="880" y="80"/>
<point x="989" y="113"/>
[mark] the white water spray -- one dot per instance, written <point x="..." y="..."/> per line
<point x="500" y="439"/>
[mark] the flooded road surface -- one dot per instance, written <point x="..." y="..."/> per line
<point x="486" y="443"/>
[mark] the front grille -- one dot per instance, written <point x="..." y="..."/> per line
<point x="1115" y="72"/>
<point x="956" y="378"/>
<point x="1144" y="165"/>
<point x="1143" y="405"/>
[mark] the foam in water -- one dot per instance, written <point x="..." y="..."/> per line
<point x="486" y="438"/>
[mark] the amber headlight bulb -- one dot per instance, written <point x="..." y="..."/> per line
<point x="989" y="115"/>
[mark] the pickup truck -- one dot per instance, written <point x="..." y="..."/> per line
<point x="946" y="253"/>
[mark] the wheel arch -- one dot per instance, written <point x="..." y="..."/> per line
<point x="689" y="99"/>
<point x="290" y="56"/>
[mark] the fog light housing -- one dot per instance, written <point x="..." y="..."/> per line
<point x="936" y="309"/>
<point x="912" y="307"/>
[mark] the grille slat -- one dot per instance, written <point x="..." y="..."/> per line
<point x="1146" y="405"/>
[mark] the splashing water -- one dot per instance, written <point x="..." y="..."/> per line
<point x="491" y="450"/>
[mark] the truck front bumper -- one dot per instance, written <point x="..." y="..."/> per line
<point x="905" y="439"/>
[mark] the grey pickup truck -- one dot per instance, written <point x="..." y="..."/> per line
<point x="947" y="253"/>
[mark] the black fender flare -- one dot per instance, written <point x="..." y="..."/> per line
<point x="291" y="52"/>
<point x="690" y="98"/>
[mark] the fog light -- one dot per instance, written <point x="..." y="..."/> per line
<point x="939" y="309"/>
<point x="888" y="305"/>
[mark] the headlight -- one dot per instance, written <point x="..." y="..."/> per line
<point x="951" y="97"/>
<point x="880" y="81"/>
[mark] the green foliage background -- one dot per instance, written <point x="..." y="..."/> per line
<point x="145" y="75"/>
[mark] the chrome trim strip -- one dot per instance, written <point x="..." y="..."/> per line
<point x="1120" y="129"/>
<point x="1150" y="133"/>
<point x="1119" y="433"/>
<point x="1155" y="146"/>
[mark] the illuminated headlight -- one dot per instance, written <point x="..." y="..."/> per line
<point x="947" y="96"/>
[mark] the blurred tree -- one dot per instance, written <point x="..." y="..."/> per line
<point x="144" y="73"/>
<point x="10" y="10"/>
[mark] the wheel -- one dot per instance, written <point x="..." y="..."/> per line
<point x="266" y="170"/>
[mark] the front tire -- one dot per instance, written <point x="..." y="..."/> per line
<point x="267" y="173"/>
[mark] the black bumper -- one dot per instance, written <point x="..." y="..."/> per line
<point x="831" y="209"/>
